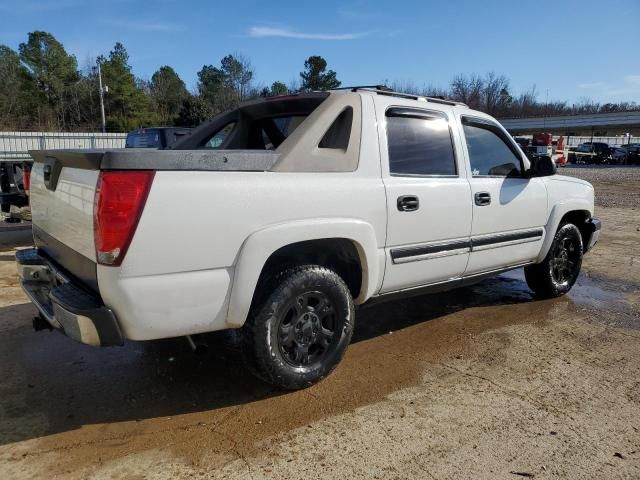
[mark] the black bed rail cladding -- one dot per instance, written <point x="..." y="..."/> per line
<point x="149" y="159"/>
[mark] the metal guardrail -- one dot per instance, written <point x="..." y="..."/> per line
<point x="16" y="145"/>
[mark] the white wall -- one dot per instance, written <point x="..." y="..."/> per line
<point x="573" y="140"/>
<point x="613" y="141"/>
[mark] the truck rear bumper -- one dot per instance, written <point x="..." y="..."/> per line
<point x="67" y="307"/>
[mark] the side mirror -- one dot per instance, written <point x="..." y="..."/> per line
<point x="542" y="167"/>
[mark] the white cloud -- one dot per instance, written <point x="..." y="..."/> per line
<point x="262" y="32"/>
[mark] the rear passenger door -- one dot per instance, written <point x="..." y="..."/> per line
<point x="428" y="196"/>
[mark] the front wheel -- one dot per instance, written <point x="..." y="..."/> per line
<point x="300" y="332"/>
<point x="559" y="270"/>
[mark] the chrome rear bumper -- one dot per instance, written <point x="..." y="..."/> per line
<point x="69" y="308"/>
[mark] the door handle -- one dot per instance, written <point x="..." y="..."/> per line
<point x="408" y="203"/>
<point x="482" y="198"/>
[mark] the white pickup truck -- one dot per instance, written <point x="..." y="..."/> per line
<point x="281" y="216"/>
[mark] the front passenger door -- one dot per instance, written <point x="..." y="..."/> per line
<point x="509" y="209"/>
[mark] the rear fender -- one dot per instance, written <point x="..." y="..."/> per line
<point x="259" y="246"/>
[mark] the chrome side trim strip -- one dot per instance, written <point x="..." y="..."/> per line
<point x="423" y="251"/>
<point x="458" y="246"/>
<point x="493" y="238"/>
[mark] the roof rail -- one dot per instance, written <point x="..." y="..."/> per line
<point x="384" y="90"/>
<point x="354" y="88"/>
<point x="444" y="101"/>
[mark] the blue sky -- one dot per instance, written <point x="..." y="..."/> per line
<point x="573" y="49"/>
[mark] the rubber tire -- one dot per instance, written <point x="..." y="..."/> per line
<point x="539" y="276"/>
<point x="262" y="354"/>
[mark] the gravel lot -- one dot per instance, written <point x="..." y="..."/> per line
<point x="484" y="382"/>
<point x="615" y="186"/>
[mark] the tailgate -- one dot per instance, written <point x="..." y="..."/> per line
<point x="63" y="186"/>
<point x="63" y="190"/>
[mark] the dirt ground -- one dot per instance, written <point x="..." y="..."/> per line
<point x="482" y="382"/>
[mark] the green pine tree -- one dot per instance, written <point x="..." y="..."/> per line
<point x="316" y="76"/>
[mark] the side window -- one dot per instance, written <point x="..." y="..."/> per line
<point x="339" y="132"/>
<point x="419" y="144"/>
<point x="489" y="154"/>
<point x="220" y="136"/>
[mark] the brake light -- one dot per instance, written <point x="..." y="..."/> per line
<point x="26" y="181"/>
<point x="119" y="201"/>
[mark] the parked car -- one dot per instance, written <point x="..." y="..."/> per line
<point x="590" y="152"/>
<point x="619" y="156"/>
<point x="298" y="209"/>
<point x="13" y="191"/>
<point x="155" y="137"/>
<point x="628" y="154"/>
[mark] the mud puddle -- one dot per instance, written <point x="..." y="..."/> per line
<point x="158" y="395"/>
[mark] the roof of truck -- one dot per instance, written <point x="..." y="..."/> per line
<point x="384" y="90"/>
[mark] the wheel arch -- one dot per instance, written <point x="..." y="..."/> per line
<point x="576" y="213"/>
<point x="301" y="239"/>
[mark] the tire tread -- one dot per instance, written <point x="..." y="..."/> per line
<point x="263" y="362"/>
<point x="538" y="276"/>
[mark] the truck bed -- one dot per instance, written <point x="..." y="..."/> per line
<point x="147" y="159"/>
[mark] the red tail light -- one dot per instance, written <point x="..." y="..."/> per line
<point x="119" y="201"/>
<point x="26" y="181"/>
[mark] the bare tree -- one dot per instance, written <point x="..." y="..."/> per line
<point x="294" y="85"/>
<point x="525" y="103"/>
<point x="468" y="89"/>
<point x="497" y="98"/>
<point x="435" y="91"/>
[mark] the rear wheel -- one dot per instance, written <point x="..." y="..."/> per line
<point x="300" y="332"/>
<point x="559" y="270"/>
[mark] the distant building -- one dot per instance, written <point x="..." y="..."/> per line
<point x="596" y="124"/>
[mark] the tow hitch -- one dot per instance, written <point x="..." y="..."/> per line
<point x="39" y="323"/>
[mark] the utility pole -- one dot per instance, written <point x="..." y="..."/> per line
<point x="104" y="127"/>
<point x="546" y="112"/>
